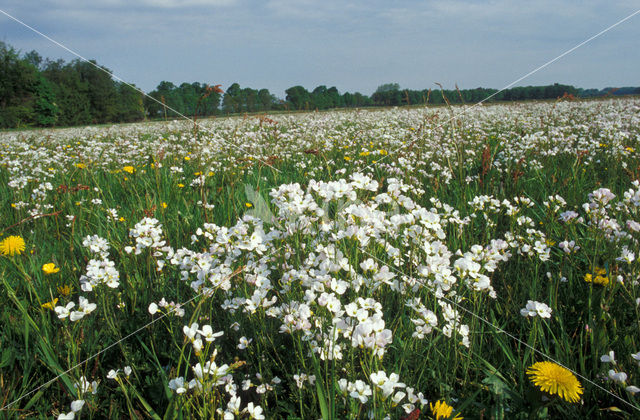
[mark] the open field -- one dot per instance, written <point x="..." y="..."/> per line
<point x="326" y="265"/>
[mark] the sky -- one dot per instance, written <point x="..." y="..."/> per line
<point x="351" y="44"/>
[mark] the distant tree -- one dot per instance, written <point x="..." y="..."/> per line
<point x="130" y="104"/>
<point x="388" y="94"/>
<point x="210" y="100"/>
<point x="267" y="100"/>
<point x="388" y="87"/>
<point x="250" y="99"/>
<point x="231" y="99"/>
<point x="298" y="97"/>
<point x="71" y="93"/>
<point x="26" y="98"/>
<point x="33" y="58"/>
<point x="101" y="89"/>
<point x="45" y="107"/>
<point x="335" y="99"/>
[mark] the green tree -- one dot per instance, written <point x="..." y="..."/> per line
<point x="130" y="104"/>
<point x="71" y="92"/>
<point x="101" y="89"/>
<point x="25" y="96"/>
<point x="267" y="100"/>
<point x="299" y="97"/>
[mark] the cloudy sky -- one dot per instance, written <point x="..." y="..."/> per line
<point x="355" y="45"/>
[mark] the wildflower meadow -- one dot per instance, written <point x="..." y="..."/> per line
<point x="416" y="263"/>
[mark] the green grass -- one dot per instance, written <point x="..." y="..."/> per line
<point x="484" y="379"/>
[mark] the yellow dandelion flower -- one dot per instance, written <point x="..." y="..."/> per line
<point x="164" y="205"/>
<point x="50" y="268"/>
<point x="187" y="158"/>
<point x="12" y="245"/>
<point x="80" y="165"/>
<point x="383" y="152"/>
<point x="347" y="158"/>
<point x="129" y="169"/>
<point x="629" y="149"/>
<point x="65" y="290"/>
<point x="364" y="153"/>
<point x="442" y="411"/>
<point x="553" y="379"/>
<point x="600" y="277"/>
<point x="249" y="205"/>
<point x="210" y="173"/>
<point x="121" y="219"/>
<point x="50" y="305"/>
<point x="197" y="174"/>
<point x="180" y="185"/>
<point x="549" y="242"/>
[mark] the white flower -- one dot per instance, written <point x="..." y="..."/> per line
<point x="608" y="358"/>
<point x="244" y="342"/>
<point x="84" y="307"/>
<point x="153" y="308"/>
<point x="619" y="377"/>
<point x="191" y="332"/>
<point x="77" y="405"/>
<point x="360" y="390"/>
<point x="208" y="334"/>
<point x="85" y="386"/>
<point x="534" y="308"/>
<point x="64" y="311"/>
<point x="368" y="265"/>
<point x="177" y="385"/>
<point x="255" y="411"/>
<point x="300" y="379"/>
<point x="113" y="374"/>
<point x="632" y="389"/>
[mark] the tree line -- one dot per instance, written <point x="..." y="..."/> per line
<point x="37" y="92"/>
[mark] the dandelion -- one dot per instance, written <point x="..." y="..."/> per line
<point x="555" y="380"/>
<point x="50" y="305"/>
<point x="129" y="169"/>
<point x="12" y="245"/>
<point x="50" y="268"/>
<point x="80" y="165"/>
<point x="164" y="205"/>
<point x="248" y="205"/>
<point x="442" y="410"/>
<point x="600" y="277"/>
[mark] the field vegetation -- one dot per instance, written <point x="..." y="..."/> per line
<point x="442" y="263"/>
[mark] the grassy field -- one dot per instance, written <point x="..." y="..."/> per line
<point x="330" y="265"/>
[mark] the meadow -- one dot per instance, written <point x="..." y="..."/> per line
<point x="421" y="263"/>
